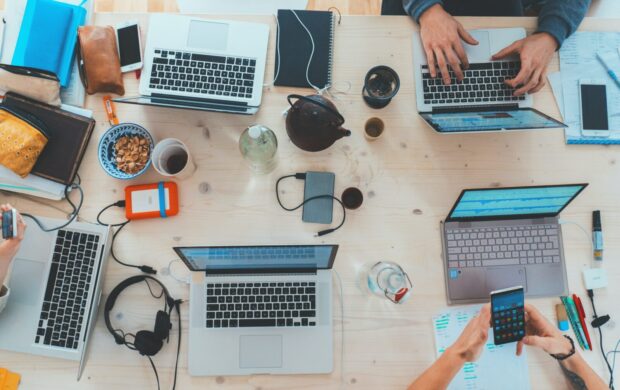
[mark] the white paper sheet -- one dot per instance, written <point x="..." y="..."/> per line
<point x="498" y="366"/>
<point x="232" y="7"/>
<point x="578" y="60"/>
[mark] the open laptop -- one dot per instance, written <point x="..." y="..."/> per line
<point x="201" y="64"/>
<point x="55" y="285"/>
<point x="501" y="237"/>
<point x="481" y="102"/>
<point x="260" y="309"/>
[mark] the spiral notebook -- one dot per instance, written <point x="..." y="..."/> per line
<point x="295" y="48"/>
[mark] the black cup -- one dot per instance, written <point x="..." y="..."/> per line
<point x="352" y="198"/>
<point x="380" y="86"/>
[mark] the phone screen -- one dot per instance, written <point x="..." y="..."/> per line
<point x="594" y="107"/>
<point x="508" y="315"/>
<point x="129" y="45"/>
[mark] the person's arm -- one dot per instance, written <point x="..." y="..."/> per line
<point x="8" y="250"/>
<point x="467" y="348"/>
<point x="542" y="334"/>
<point x="416" y="8"/>
<point x="560" y="18"/>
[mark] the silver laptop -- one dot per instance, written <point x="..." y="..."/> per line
<point x="260" y="309"/>
<point x="200" y="64"/>
<point x="481" y="102"/>
<point x="55" y="284"/>
<point x="502" y="237"/>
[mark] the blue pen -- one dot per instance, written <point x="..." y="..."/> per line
<point x="610" y="71"/>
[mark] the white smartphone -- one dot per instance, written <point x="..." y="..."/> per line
<point x="594" y="112"/>
<point x="129" y="45"/>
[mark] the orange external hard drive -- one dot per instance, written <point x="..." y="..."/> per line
<point x="158" y="200"/>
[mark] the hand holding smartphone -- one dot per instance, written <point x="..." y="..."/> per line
<point x="9" y="224"/>
<point x="508" y="315"/>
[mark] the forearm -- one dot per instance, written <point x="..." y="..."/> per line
<point x="416" y="8"/>
<point x="4" y="269"/>
<point x="560" y="18"/>
<point x="580" y="375"/>
<point x="441" y="373"/>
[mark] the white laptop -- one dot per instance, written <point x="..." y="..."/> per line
<point x="200" y="64"/>
<point x="260" y="309"/>
<point x="55" y="284"/>
<point x="481" y="102"/>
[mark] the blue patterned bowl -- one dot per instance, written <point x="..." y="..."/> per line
<point x="107" y="154"/>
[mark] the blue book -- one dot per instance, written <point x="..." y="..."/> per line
<point x="47" y="37"/>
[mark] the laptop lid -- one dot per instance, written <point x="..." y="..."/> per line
<point x="513" y="202"/>
<point x="489" y="118"/>
<point x="258" y="259"/>
<point x="190" y="103"/>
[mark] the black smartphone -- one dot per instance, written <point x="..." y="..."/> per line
<point x="9" y="224"/>
<point x="507" y="315"/>
<point x="319" y="210"/>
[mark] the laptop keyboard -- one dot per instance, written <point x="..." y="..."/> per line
<point x="66" y="294"/>
<point x="482" y="83"/>
<point x="239" y="305"/>
<point x="201" y="73"/>
<point x="484" y="247"/>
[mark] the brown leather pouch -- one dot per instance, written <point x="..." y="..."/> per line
<point x="100" y="67"/>
<point x="22" y="139"/>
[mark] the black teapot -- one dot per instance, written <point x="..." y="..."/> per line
<point x="313" y="123"/>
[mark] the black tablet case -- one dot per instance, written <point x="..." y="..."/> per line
<point x="295" y="48"/>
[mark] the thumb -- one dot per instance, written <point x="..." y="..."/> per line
<point x="466" y="36"/>
<point x="536" y="341"/>
<point x="505" y="52"/>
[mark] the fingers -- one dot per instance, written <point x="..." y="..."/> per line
<point x="521" y="78"/>
<point x="485" y="315"/>
<point x="430" y="59"/>
<point x="443" y="67"/>
<point x="455" y="65"/>
<point x="508" y="50"/>
<point x="537" y="341"/>
<point x="519" y="347"/>
<point x="531" y="84"/>
<point x="541" y="84"/>
<point x="460" y="52"/>
<point x="6" y="207"/>
<point x="465" y="35"/>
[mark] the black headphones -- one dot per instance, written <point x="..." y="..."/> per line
<point x="147" y="343"/>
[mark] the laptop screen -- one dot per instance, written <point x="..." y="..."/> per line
<point x="469" y="120"/>
<point x="258" y="258"/>
<point x="532" y="202"/>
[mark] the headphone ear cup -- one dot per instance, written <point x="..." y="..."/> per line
<point x="147" y="343"/>
<point x="162" y="325"/>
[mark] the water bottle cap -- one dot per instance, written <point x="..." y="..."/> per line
<point x="255" y="132"/>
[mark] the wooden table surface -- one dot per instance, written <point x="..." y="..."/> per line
<point x="410" y="179"/>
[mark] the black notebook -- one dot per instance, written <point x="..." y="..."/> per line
<point x="296" y="47"/>
<point x="68" y="137"/>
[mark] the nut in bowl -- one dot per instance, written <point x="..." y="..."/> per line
<point x="125" y="151"/>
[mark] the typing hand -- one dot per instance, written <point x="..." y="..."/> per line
<point x="536" y="52"/>
<point x="441" y="38"/>
<point x="470" y="343"/>
<point x="542" y="334"/>
<point x="9" y="248"/>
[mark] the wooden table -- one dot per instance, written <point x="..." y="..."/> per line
<point x="410" y="178"/>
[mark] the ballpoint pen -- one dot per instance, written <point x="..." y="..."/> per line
<point x="610" y="71"/>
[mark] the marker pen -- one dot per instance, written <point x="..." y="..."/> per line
<point x="597" y="235"/>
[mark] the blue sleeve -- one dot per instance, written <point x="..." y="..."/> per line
<point x="560" y="18"/>
<point x="416" y="8"/>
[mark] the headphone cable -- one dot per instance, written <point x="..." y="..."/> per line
<point x="154" y="370"/>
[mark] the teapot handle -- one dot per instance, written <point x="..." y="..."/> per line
<point x="320" y="104"/>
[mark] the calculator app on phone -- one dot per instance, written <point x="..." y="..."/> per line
<point x="507" y="315"/>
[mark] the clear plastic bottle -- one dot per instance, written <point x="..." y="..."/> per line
<point x="258" y="146"/>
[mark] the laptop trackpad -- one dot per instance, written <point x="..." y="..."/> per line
<point x="260" y="351"/>
<point x="504" y="277"/>
<point x="480" y="52"/>
<point x="25" y="281"/>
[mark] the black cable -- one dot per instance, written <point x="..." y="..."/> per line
<point x="302" y="176"/>
<point x="121" y="203"/>
<point x="600" y="334"/>
<point x="177" y="305"/>
<point x="74" y="213"/>
<point x="154" y="370"/>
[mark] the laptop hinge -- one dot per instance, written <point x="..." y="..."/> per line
<point x="262" y="272"/>
<point x="196" y="99"/>
<point x="486" y="107"/>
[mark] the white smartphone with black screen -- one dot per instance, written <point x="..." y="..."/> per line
<point x="593" y="108"/>
<point x="129" y="45"/>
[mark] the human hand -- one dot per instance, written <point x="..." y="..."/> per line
<point x="542" y="334"/>
<point x="535" y="52"/>
<point x="8" y="248"/>
<point x="470" y="343"/>
<point x="441" y="36"/>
